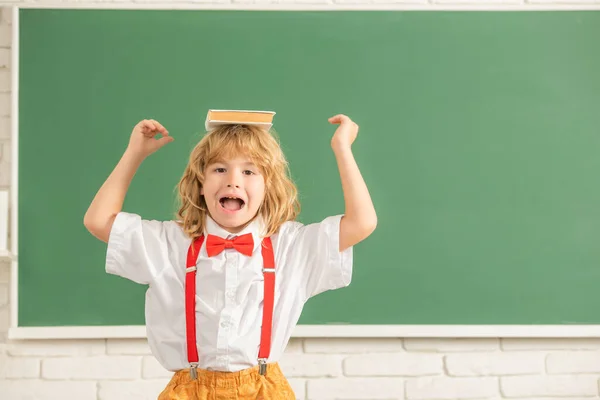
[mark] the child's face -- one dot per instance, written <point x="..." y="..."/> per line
<point x="233" y="190"/>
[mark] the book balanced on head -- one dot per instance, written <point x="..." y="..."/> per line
<point x="215" y="118"/>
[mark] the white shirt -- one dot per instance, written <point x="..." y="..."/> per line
<point x="229" y="286"/>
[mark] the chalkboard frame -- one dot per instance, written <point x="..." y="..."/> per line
<point x="91" y="332"/>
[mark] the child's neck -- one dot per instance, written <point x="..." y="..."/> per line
<point x="235" y="230"/>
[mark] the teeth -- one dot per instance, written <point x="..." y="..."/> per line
<point x="232" y="198"/>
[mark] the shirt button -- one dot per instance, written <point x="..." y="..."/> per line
<point x="225" y="324"/>
<point x="231" y="295"/>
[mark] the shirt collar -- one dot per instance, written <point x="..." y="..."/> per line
<point x="255" y="228"/>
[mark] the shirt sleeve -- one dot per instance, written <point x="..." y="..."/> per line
<point x="314" y="251"/>
<point x="136" y="248"/>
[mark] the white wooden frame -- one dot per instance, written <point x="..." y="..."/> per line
<point x="328" y="331"/>
<point x="4" y="217"/>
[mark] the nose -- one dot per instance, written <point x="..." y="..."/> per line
<point x="233" y="180"/>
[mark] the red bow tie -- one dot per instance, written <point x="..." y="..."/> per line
<point x="215" y="244"/>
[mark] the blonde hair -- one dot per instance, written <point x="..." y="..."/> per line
<point x="262" y="147"/>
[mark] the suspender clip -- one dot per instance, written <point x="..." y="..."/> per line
<point x="262" y="366"/>
<point x="194" y="370"/>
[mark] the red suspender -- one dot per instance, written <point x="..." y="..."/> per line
<point x="268" y="302"/>
<point x="269" y="299"/>
<point x="190" y="300"/>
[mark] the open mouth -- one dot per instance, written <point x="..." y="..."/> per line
<point x="232" y="203"/>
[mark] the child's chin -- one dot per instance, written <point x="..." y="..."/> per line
<point x="233" y="224"/>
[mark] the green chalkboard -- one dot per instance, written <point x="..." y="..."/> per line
<point x="480" y="143"/>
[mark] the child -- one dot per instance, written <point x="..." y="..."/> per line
<point x="228" y="280"/>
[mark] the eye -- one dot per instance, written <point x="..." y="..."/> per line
<point x="220" y="170"/>
<point x="248" y="172"/>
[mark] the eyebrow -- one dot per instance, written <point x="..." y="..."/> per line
<point x="245" y="164"/>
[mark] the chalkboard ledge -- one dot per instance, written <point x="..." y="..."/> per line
<point x="334" y="331"/>
<point x="5" y="255"/>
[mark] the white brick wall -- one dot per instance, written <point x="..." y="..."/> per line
<point x="411" y="368"/>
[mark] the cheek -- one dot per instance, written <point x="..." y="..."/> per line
<point x="258" y="191"/>
<point x="208" y="187"/>
<point x="261" y="192"/>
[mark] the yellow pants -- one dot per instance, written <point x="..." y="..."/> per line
<point x="247" y="384"/>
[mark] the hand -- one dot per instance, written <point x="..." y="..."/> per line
<point x="345" y="134"/>
<point x="143" y="142"/>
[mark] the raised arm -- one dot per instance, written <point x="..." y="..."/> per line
<point x="108" y="202"/>
<point x="359" y="219"/>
